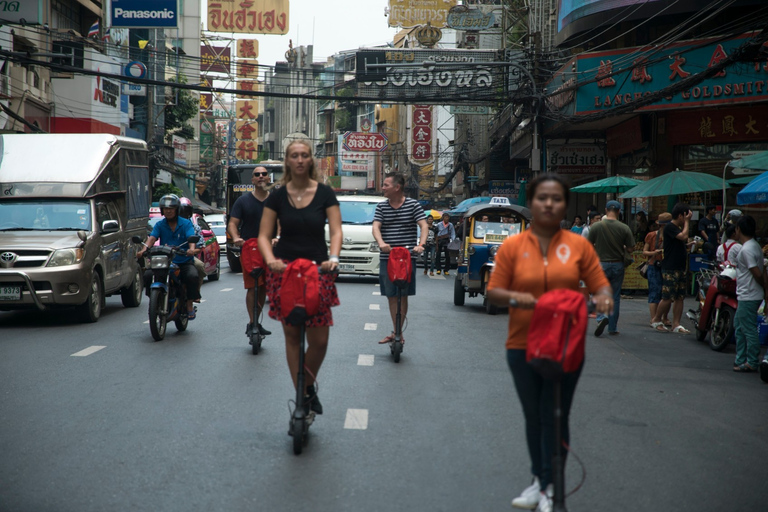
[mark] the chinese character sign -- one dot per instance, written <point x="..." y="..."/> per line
<point x="248" y="85"/>
<point x="247" y="49"/>
<point x="247" y="69"/>
<point x="422" y="139"/>
<point x="248" y="16"/>
<point x="247" y="109"/>
<point x="247" y="130"/>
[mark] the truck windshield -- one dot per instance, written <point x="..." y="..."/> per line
<point x="357" y="212"/>
<point x="45" y="215"/>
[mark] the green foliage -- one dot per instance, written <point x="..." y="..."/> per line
<point x="343" y="120"/>
<point x="186" y="108"/>
<point x="166" y="188"/>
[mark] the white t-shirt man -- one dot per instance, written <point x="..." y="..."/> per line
<point x="750" y="256"/>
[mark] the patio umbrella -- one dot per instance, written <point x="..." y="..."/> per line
<point x="610" y="185"/>
<point x="434" y="213"/>
<point x="758" y="161"/>
<point x="742" y="180"/>
<point x="675" y="183"/>
<point x="755" y="192"/>
<point x="521" y="197"/>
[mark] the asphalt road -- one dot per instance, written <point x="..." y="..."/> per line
<point x="197" y="423"/>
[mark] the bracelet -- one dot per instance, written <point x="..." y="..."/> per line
<point x="333" y="258"/>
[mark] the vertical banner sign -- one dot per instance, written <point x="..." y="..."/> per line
<point x="248" y="69"/>
<point x="422" y="136"/>
<point x="251" y="16"/>
<point x="207" y="127"/>
<point x="206" y="101"/>
<point x="248" y="85"/>
<point x="412" y="13"/>
<point x="247" y="49"/>
<point x="247" y="109"/>
<point x="215" y="59"/>
<point x="246" y="129"/>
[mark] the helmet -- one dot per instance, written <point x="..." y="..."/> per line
<point x="169" y="201"/>
<point x="185" y="208"/>
<point x="729" y="272"/>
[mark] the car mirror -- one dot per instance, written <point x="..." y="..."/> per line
<point x="136" y="239"/>
<point x="110" y="226"/>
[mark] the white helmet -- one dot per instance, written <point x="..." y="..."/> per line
<point x="729" y="272"/>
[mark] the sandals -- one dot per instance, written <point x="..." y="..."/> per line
<point x="191" y="315"/>
<point x="744" y="368"/>
<point x="659" y="327"/>
<point x="389" y="338"/>
<point x="681" y="330"/>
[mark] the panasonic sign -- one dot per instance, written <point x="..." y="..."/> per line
<point x="144" y="13"/>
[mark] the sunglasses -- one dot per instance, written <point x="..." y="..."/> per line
<point x="260" y="173"/>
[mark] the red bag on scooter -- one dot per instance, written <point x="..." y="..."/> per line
<point x="400" y="266"/>
<point x="300" y="291"/>
<point x="557" y="335"/>
<point x="250" y="256"/>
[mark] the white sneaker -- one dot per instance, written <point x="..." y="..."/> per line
<point x="529" y="498"/>
<point x="545" y="499"/>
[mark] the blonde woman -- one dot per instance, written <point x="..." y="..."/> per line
<point x="302" y="206"/>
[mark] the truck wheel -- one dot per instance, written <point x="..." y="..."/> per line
<point x="458" y="292"/>
<point x="215" y="275"/>
<point x="234" y="263"/>
<point x="90" y="310"/>
<point x="131" y="296"/>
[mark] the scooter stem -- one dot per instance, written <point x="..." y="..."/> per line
<point x="558" y="464"/>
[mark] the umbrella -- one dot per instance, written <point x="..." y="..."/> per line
<point x="467" y="204"/>
<point x="758" y="161"/>
<point x="611" y="185"/>
<point x="742" y="180"/>
<point x="755" y="192"/>
<point x="434" y="214"/>
<point x="521" y="197"/>
<point x="674" y="183"/>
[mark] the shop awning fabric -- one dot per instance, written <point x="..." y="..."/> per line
<point x="675" y="183"/>
<point x="758" y="161"/>
<point x="611" y="185"/>
<point x="754" y="193"/>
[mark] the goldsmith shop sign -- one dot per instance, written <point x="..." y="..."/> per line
<point x="430" y="76"/>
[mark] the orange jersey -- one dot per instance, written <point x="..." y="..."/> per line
<point x="521" y="267"/>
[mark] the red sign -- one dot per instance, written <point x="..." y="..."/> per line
<point x="215" y="59"/>
<point x="421" y="133"/>
<point x="718" y="126"/>
<point x="359" y="141"/>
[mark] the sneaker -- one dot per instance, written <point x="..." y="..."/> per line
<point x="545" y="500"/>
<point x="529" y="498"/>
<point x="263" y="331"/>
<point x="314" y="401"/>
<point x="601" y="325"/>
<point x="425" y="272"/>
<point x="248" y="329"/>
<point x="764" y="370"/>
<point x="438" y="272"/>
<point x="446" y="273"/>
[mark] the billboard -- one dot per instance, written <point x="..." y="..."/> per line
<point x="252" y="17"/>
<point x="216" y="59"/>
<point x="144" y="14"/>
<point x="29" y="11"/>
<point x="412" y="13"/>
<point x="571" y="10"/>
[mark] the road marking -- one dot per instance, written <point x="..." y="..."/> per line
<point x="226" y="289"/>
<point x="377" y="284"/>
<point x="357" y="419"/>
<point x="370" y="327"/>
<point x="203" y="300"/>
<point x="374" y="307"/>
<point x="376" y="293"/>
<point x="146" y="321"/>
<point x="365" y="360"/>
<point x="88" y="351"/>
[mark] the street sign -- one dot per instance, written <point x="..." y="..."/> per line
<point x="360" y="141"/>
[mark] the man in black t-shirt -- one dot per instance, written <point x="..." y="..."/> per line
<point x="244" y="221"/>
<point x="708" y="230"/>
<point x="673" y="263"/>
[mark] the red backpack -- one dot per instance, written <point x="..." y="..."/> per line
<point x="250" y="256"/>
<point x="557" y="334"/>
<point x="399" y="266"/>
<point x="300" y="291"/>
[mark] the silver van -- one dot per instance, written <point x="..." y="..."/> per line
<point x="69" y="205"/>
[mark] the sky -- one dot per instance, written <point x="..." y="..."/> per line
<point x="331" y="25"/>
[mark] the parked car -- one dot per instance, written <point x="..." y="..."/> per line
<point x="218" y="223"/>
<point x="359" y="250"/>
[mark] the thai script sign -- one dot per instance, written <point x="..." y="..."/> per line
<point x="468" y="110"/>
<point x="360" y="141"/>
<point x="434" y="76"/>
<point x="746" y="82"/>
<point x="14" y="12"/>
<point x="471" y="19"/>
<point x="215" y="59"/>
<point x="247" y="48"/>
<point x="576" y="159"/>
<point x="411" y="13"/>
<point x="144" y="14"/>
<point x="248" y="16"/>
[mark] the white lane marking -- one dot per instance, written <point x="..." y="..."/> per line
<point x="146" y="321"/>
<point x="365" y="360"/>
<point x="357" y="419"/>
<point x="374" y="306"/>
<point x="376" y="293"/>
<point x="370" y="327"/>
<point x="203" y="300"/>
<point x="377" y="284"/>
<point x="226" y="289"/>
<point x="88" y="351"/>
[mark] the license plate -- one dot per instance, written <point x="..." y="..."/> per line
<point x="10" y="292"/>
<point x="346" y="268"/>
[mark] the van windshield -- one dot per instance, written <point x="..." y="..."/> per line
<point x="357" y="212"/>
<point x="45" y="215"/>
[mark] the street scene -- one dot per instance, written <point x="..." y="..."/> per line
<point x="468" y="255"/>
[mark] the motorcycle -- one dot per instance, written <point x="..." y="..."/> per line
<point x="717" y="306"/>
<point x="167" y="295"/>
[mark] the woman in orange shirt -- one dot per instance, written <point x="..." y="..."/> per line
<point x="528" y="265"/>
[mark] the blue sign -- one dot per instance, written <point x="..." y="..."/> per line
<point x="135" y="69"/>
<point x="145" y="14"/>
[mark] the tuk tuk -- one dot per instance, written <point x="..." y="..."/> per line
<point x="484" y="228"/>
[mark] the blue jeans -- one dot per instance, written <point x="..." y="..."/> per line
<point x="614" y="271"/>
<point x="429" y="257"/>
<point x="537" y="398"/>
<point x="654" y="284"/>
<point x="747" y="338"/>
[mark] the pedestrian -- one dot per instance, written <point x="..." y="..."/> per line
<point x="751" y="286"/>
<point x="445" y="234"/>
<point x="578" y="225"/>
<point x="430" y="246"/>
<point x="395" y="223"/>
<point x="641" y="226"/>
<point x="542" y="258"/>
<point x="732" y="218"/>
<point x="673" y="263"/>
<point x="613" y="241"/>
<point x="728" y="252"/>
<point x="244" y="222"/>
<point x="708" y="231"/>
<point x="592" y="219"/>
<point x="652" y="249"/>
<point x="302" y="206"/>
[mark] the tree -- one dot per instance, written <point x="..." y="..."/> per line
<point x="166" y="188"/>
<point x="176" y="116"/>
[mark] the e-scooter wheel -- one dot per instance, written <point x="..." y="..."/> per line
<point x="299" y="432"/>
<point x="397" y="348"/>
<point x="255" y="341"/>
<point x="157" y="320"/>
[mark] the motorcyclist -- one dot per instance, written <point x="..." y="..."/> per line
<point x="174" y="231"/>
<point x="185" y="211"/>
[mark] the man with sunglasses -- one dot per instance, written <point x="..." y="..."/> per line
<point x="244" y="220"/>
